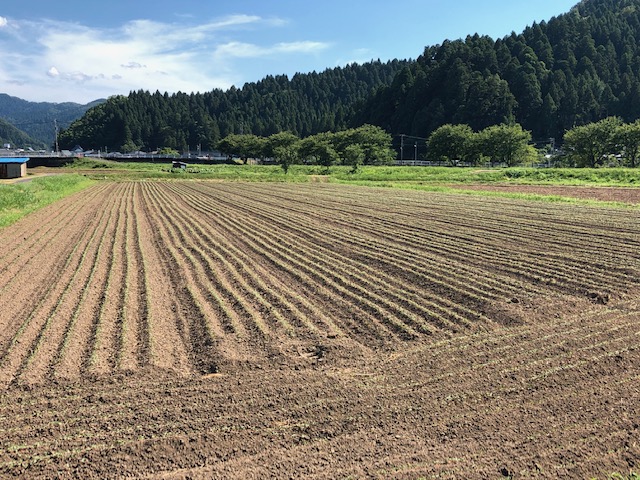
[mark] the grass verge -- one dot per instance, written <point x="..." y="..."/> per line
<point x="99" y="169"/>
<point x="17" y="200"/>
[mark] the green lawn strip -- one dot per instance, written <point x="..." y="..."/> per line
<point x="101" y="168"/>
<point x="18" y="200"/>
<point x="526" y="176"/>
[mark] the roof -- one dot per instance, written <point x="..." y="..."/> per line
<point x="14" y="159"/>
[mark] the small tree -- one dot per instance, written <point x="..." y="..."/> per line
<point x="130" y="147"/>
<point x="374" y="142"/>
<point x="449" y="143"/>
<point x="627" y="137"/>
<point x="244" y="146"/>
<point x="168" y="151"/>
<point x="277" y="140"/>
<point x="286" y="155"/>
<point x="505" y="143"/>
<point x="319" y="149"/>
<point x="354" y="156"/>
<point x="587" y="145"/>
<point x="326" y="155"/>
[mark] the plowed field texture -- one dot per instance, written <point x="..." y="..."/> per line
<point x="243" y="330"/>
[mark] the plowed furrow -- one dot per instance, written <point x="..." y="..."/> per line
<point x="406" y="296"/>
<point x="51" y="339"/>
<point x="168" y="324"/>
<point x="99" y="353"/>
<point x="75" y="355"/>
<point x="278" y="291"/>
<point x="242" y="316"/>
<point x="33" y="278"/>
<point x="478" y="236"/>
<point x="29" y="338"/>
<point x="387" y="251"/>
<point x="318" y="274"/>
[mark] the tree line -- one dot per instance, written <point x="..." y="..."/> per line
<point x="499" y="144"/>
<point x="573" y="70"/>
<point x="366" y="145"/>
<point x="305" y="105"/>
<point x="609" y="141"/>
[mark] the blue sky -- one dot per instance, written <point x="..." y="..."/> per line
<point x="81" y="50"/>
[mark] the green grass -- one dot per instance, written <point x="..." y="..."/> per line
<point x="415" y="178"/>
<point x="425" y="175"/>
<point x="537" y="176"/>
<point x="618" y="476"/>
<point x="17" y="200"/>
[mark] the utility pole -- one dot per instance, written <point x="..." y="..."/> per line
<point x="55" y="124"/>
<point x="402" y="147"/>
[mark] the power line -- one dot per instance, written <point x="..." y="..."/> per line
<point x="412" y="139"/>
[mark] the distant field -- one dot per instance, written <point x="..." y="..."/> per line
<point x="217" y="329"/>
<point x="366" y="174"/>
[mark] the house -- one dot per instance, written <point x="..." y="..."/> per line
<point x="13" y="167"/>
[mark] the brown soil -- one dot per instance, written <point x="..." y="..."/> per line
<point x="213" y="330"/>
<point x="607" y="194"/>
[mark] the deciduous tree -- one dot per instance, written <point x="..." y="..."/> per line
<point x="588" y="145"/>
<point x="449" y="143"/>
<point x="627" y="138"/>
<point x="505" y="143"/>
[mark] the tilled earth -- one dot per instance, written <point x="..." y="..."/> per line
<point x="131" y="376"/>
<point x="558" y="400"/>
<point x="606" y="194"/>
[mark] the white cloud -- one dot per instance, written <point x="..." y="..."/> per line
<point x="57" y="61"/>
<point x="250" y="50"/>
<point x="300" y="47"/>
<point x="3" y="22"/>
<point x="133" y="65"/>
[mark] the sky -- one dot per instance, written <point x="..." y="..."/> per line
<point x="82" y="50"/>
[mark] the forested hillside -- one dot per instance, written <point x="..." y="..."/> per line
<point x="36" y="119"/>
<point x="574" y="69"/>
<point x="17" y="138"/>
<point x="305" y="104"/>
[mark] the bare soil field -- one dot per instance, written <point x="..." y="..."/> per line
<point x="606" y="194"/>
<point x="236" y="330"/>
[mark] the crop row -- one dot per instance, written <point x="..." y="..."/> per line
<point x="598" y="256"/>
<point x="186" y="276"/>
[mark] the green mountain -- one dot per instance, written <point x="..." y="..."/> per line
<point x="17" y="138"/>
<point x="36" y="119"/>
<point x="305" y="104"/>
<point x="574" y="69"/>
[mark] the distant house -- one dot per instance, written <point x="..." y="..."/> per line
<point x="13" y="167"/>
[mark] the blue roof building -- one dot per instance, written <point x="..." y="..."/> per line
<point x="13" y="167"/>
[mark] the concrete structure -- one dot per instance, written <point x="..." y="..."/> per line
<point x="13" y="167"/>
